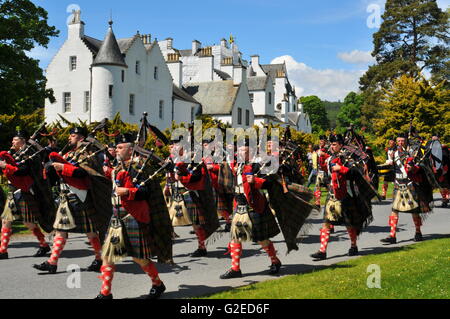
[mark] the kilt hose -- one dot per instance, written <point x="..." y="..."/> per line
<point x="81" y="213"/>
<point x="137" y="236"/>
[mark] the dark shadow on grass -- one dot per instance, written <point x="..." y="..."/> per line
<point x="190" y="291"/>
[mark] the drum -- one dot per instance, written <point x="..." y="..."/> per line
<point x="385" y="170"/>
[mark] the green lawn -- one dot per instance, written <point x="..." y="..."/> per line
<point x="419" y="271"/>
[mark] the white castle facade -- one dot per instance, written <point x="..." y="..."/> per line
<point x="93" y="79"/>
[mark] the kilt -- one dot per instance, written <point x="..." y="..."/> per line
<point x="224" y="203"/>
<point x="81" y="213"/>
<point x="322" y="179"/>
<point x="27" y="209"/>
<point x="389" y="177"/>
<point x="354" y="212"/>
<point x="194" y="210"/>
<point x="264" y="226"/>
<point x="137" y="236"/>
<point x="419" y="197"/>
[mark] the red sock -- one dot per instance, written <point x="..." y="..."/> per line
<point x="95" y="243"/>
<point x="236" y="253"/>
<point x="393" y="221"/>
<point x="107" y="277"/>
<point x="6" y="236"/>
<point x="151" y="270"/>
<point x="353" y="235"/>
<point x="58" y="246"/>
<point x="385" y="188"/>
<point x="318" y="195"/>
<point x="324" y="238"/>
<point x="270" y="250"/>
<point x="40" y="237"/>
<point x="201" y="237"/>
<point x="418" y="223"/>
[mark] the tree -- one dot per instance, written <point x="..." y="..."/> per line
<point x="413" y="37"/>
<point x="350" y="112"/>
<point x="415" y="99"/>
<point x="315" y="108"/>
<point x="22" y="83"/>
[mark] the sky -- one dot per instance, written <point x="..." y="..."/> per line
<point x="325" y="44"/>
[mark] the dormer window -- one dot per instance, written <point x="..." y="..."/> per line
<point x="155" y="73"/>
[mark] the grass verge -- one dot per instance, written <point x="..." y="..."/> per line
<point x="418" y="271"/>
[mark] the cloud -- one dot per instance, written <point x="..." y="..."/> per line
<point x="327" y="84"/>
<point x="356" y="57"/>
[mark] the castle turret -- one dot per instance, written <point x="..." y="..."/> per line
<point x="108" y="73"/>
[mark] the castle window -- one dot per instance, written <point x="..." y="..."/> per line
<point x="138" y="67"/>
<point x="247" y="117"/>
<point x="87" y="101"/>
<point x="270" y="98"/>
<point x="161" y="110"/>
<point x="67" y="100"/>
<point x="239" y="116"/>
<point x="155" y="73"/>
<point x="131" y="105"/>
<point x="111" y="87"/>
<point x="73" y="63"/>
<point x="192" y="114"/>
<point x="123" y="76"/>
<point x="252" y="97"/>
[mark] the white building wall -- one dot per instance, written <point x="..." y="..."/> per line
<point x="61" y="79"/>
<point x="243" y="102"/>
<point x="182" y="111"/>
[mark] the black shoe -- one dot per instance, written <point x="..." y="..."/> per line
<point x="319" y="255"/>
<point x="95" y="266"/>
<point x="353" y="251"/>
<point x="444" y="204"/>
<point x="156" y="292"/>
<point x="102" y="296"/>
<point x="199" y="253"/>
<point x="46" y="267"/>
<point x="275" y="268"/>
<point x="42" y="251"/>
<point x="332" y="230"/>
<point x="192" y="232"/>
<point x="3" y="256"/>
<point x="231" y="274"/>
<point x="418" y="237"/>
<point x="389" y="240"/>
<point x="383" y="197"/>
<point x="227" y="228"/>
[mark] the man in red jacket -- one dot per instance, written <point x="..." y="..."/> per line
<point x="253" y="220"/>
<point x="21" y="196"/>
<point x="133" y="209"/>
<point x="342" y="205"/>
<point x="76" y="183"/>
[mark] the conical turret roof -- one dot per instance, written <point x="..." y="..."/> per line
<point x="109" y="53"/>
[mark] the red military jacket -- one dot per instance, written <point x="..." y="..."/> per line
<point x="71" y="174"/>
<point x="415" y="173"/>
<point x="18" y="177"/>
<point x="135" y="202"/>
<point x="193" y="181"/>
<point x="338" y="179"/>
<point x="213" y="172"/>
<point x="322" y="159"/>
<point x="255" y="198"/>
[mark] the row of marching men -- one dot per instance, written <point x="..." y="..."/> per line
<point x="124" y="212"/>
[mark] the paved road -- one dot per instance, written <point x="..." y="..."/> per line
<point x="197" y="276"/>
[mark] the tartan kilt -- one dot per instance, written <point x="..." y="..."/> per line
<point x="389" y="177"/>
<point x="27" y="209"/>
<point x="194" y="210"/>
<point x="224" y="203"/>
<point x="137" y="236"/>
<point x="264" y="226"/>
<point x="419" y="197"/>
<point x="81" y="213"/>
<point x="355" y="213"/>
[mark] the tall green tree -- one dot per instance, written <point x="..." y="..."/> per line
<point x="23" y="26"/>
<point x="350" y="112"/>
<point x="317" y="113"/>
<point x="413" y="37"/>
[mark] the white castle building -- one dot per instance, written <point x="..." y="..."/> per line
<point x="93" y="79"/>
